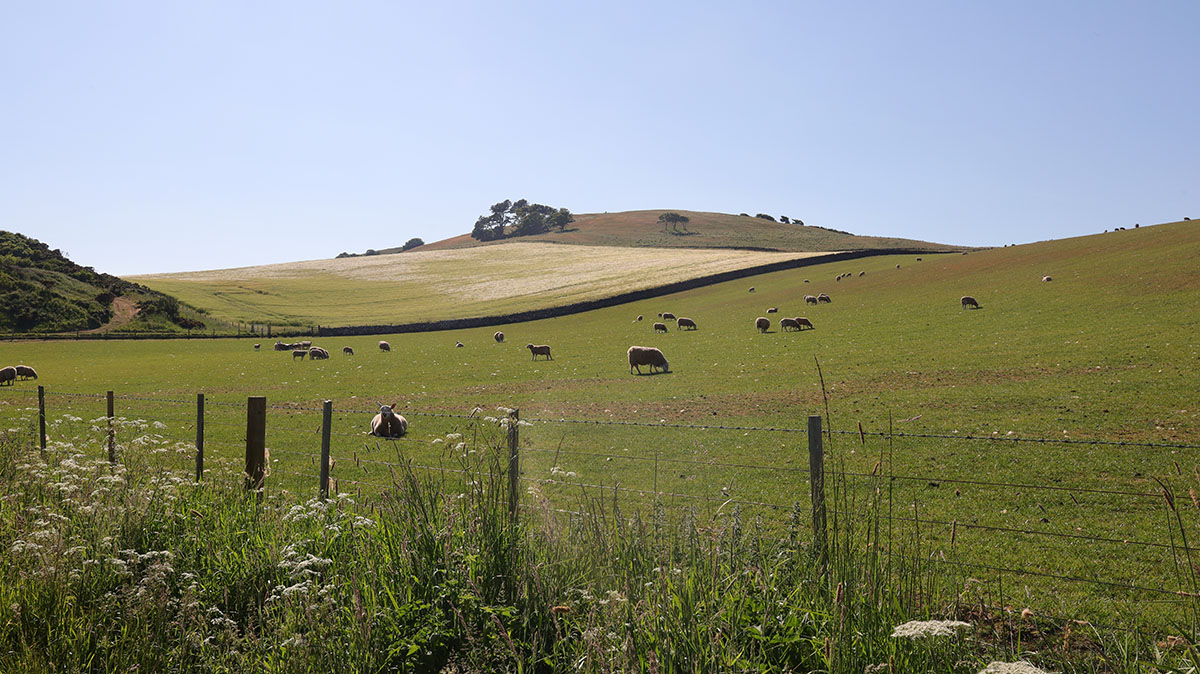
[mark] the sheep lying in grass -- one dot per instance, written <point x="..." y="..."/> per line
<point x="660" y="327"/>
<point x="536" y="350"/>
<point x="384" y="346"/>
<point x="685" y="323"/>
<point x="499" y="336"/>
<point x="773" y="310"/>
<point x="256" y="346"/>
<point x="8" y="375"/>
<point x="762" y="323"/>
<point x="968" y="301"/>
<point x="348" y="350"/>
<point x="1046" y="279"/>
<point x="862" y="273"/>
<point x="824" y="298"/>
<point x="810" y="299"/>
<point x="388" y="424"/>
<point x="458" y="345"/>
<point x="299" y="353"/>
<point x="646" y="355"/>
<point x="638" y="319"/>
<point x="26" y="372"/>
<point x="751" y="288"/>
<point x="317" y="353"/>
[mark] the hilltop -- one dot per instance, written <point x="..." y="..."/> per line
<point x="642" y="229"/>
<point x="41" y="291"/>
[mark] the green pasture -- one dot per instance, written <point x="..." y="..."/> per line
<point x="1108" y="350"/>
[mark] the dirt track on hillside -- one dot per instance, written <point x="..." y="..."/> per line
<point x="124" y="310"/>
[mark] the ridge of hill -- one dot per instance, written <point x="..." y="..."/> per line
<point x="42" y="291"/>
<point x="642" y="229"/>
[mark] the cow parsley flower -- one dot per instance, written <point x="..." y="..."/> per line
<point x="1018" y="667"/>
<point x="918" y="629"/>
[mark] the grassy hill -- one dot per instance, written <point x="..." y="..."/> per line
<point x="41" y="291"/>
<point x="704" y="230"/>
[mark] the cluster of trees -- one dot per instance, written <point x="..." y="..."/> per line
<point x="783" y="218"/>
<point x="508" y="219"/>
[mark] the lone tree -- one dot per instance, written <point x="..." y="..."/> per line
<point x="674" y="220"/>
<point x="411" y="243"/>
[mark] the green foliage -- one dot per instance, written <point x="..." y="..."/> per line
<point x="764" y="216"/>
<point x="674" y="221"/>
<point x="412" y="243"/>
<point x="509" y="219"/>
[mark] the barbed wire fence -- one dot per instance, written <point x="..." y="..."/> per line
<point x="328" y="450"/>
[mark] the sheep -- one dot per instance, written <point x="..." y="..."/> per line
<point x="302" y="345"/>
<point x="499" y="336"/>
<point x="639" y="319"/>
<point x="317" y="353"/>
<point x="762" y="323"/>
<point x="299" y="353"/>
<point x="862" y="274"/>
<point x="802" y="321"/>
<point x="918" y="259"/>
<point x="8" y="375"/>
<point x="667" y="316"/>
<point x="810" y="299"/>
<point x="968" y="301"/>
<point x="458" y="345"/>
<point x="1046" y="279"/>
<point x="536" y="350"/>
<point x="26" y="372"/>
<point x="824" y="298"/>
<point x="897" y="266"/>
<point x="646" y="355"/>
<point x="384" y="346"/>
<point x="806" y="280"/>
<point x="785" y="323"/>
<point x="685" y="323"/>
<point x="256" y="346"/>
<point x="772" y="310"/>
<point x="751" y="288"/>
<point x="388" y="424"/>
<point x="349" y="351"/>
<point x="280" y="346"/>
<point x="660" y="327"/>
<point x="839" y="278"/>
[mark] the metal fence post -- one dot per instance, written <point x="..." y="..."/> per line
<point x="199" y="436"/>
<point x="256" y="442"/>
<point x="514" y="465"/>
<point x="326" y="424"/>
<point x="42" y="419"/>
<point x="816" y="472"/>
<point x="112" y="431"/>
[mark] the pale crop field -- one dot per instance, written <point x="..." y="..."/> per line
<point x="1109" y="350"/>
<point x="440" y="284"/>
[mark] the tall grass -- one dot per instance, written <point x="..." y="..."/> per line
<point x="123" y="567"/>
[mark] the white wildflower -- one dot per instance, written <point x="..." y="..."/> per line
<point x="1019" y="667"/>
<point x="917" y="629"/>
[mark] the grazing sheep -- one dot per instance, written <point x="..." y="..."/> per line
<point x="499" y="336"/>
<point x="785" y="323"/>
<point x="824" y="298"/>
<point x="968" y="301"/>
<point x="388" y="424"/>
<point x="862" y="273"/>
<point x="317" y="353"/>
<point x="26" y="372"/>
<point x="667" y="316"/>
<point x="348" y="350"/>
<point x="839" y="278"/>
<point x="639" y="319"/>
<point x="646" y="355"/>
<point x="773" y="310"/>
<point x="751" y="288"/>
<point x="8" y="375"/>
<point x="762" y="323"/>
<point x="801" y="321"/>
<point x="280" y="346"/>
<point x="256" y="346"/>
<point x="536" y="350"/>
<point x="384" y="346"/>
<point x="660" y="327"/>
<point x="299" y="353"/>
<point x="685" y="323"/>
<point x="806" y="280"/>
<point x="302" y="345"/>
<point x="458" y="345"/>
<point x="897" y="266"/>
<point x="1046" y="279"/>
<point x="810" y="299"/>
<point x="918" y="259"/>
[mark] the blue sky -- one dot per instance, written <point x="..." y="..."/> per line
<point x="161" y="136"/>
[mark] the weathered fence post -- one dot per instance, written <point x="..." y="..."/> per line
<point x="42" y="419"/>
<point x="199" y="436"/>
<point x="256" y="442"/>
<point x="816" y="472"/>
<point x="514" y="465"/>
<point x="326" y="424"/>
<point x="112" y="431"/>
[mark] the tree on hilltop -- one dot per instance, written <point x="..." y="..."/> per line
<point x="674" y="220"/>
<point x="520" y="218"/>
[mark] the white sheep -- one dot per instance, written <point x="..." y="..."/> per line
<point x="660" y="327"/>
<point x="762" y="323"/>
<point x="388" y="424"/>
<point x="458" y="345"/>
<point x="299" y="353"/>
<point x="349" y="351"/>
<point x="280" y="346"/>
<point x="667" y="316"/>
<point x="317" y="353"/>
<point x="785" y="323"/>
<point x="536" y="350"/>
<point x="498" y="336"/>
<point x="684" y="322"/>
<point x="384" y="346"/>
<point x="862" y="273"/>
<point x="751" y="288"/>
<point x="646" y="355"/>
<point x="8" y="375"/>
<point x="802" y="321"/>
<point x="26" y="372"/>
<point x="639" y="318"/>
<point x="1046" y="279"/>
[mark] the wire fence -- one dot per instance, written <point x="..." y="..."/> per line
<point x="1032" y="516"/>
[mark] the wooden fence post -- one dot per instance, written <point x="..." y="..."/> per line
<point x="42" y="419"/>
<point x="112" y="430"/>
<point x="256" y="442"/>
<point x="816" y="472"/>
<point x="514" y="465"/>
<point x="326" y="426"/>
<point x="199" y="436"/>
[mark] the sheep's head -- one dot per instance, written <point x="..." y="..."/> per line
<point x="386" y="411"/>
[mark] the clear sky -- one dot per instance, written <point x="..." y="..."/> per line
<point x="167" y="136"/>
